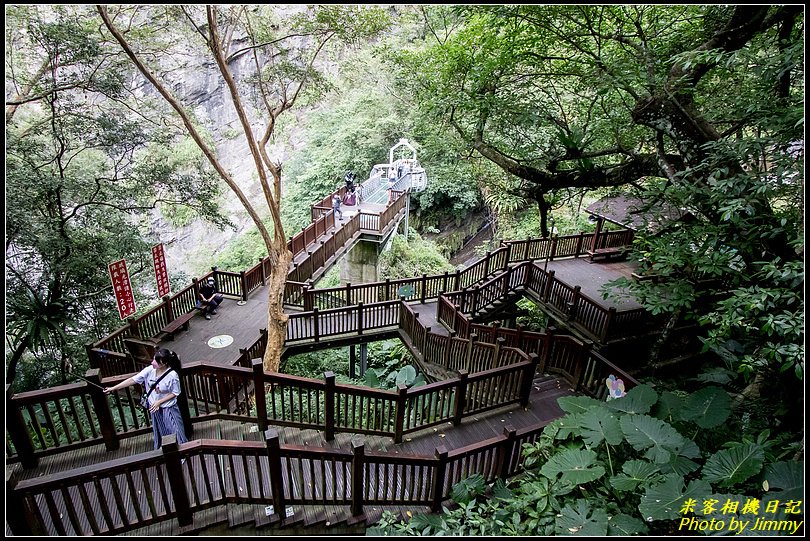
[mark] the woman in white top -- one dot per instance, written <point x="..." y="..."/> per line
<point x="163" y="408"/>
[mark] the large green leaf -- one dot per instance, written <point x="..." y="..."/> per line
<point x="580" y="519"/>
<point x="669" y="405"/>
<point x="645" y="432"/>
<point x="708" y="407"/>
<point x="577" y="466"/>
<point x="636" y="472"/>
<point x="599" y="424"/>
<point x="637" y="400"/>
<point x="731" y="466"/>
<point x="679" y="465"/>
<point x="785" y="480"/>
<point x="577" y="404"/>
<point x="664" y="501"/>
<point x="567" y="425"/>
<point x="623" y="525"/>
<point x="406" y="375"/>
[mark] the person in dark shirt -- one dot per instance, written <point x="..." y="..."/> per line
<point x="209" y="298"/>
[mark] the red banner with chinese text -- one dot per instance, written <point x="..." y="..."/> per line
<point x="161" y="274"/>
<point x="122" y="288"/>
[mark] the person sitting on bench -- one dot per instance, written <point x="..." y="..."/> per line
<point x="209" y="298"/>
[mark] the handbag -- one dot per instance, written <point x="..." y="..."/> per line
<point x="145" y="396"/>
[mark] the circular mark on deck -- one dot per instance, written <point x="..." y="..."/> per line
<point x="241" y="303"/>
<point x="221" y="341"/>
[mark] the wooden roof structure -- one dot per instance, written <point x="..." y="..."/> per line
<point x="634" y="213"/>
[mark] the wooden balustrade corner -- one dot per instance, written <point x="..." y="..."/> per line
<point x="174" y="471"/>
<point x="358" y="478"/>
<point x="276" y="477"/>
<point x="437" y="491"/>
<point x="329" y="405"/>
<point x="260" y="397"/>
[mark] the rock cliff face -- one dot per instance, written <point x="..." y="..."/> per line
<point x="200" y="87"/>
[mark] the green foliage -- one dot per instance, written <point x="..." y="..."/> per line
<point x="604" y="470"/>
<point x="412" y="258"/>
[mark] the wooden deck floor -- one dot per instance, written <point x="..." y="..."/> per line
<point x="592" y="276"/>
<point x="242" y="323"/>
<point x="543" y="407"/>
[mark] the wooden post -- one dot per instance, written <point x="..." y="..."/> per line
<point x="549" y="283"/>
<point x="360" y="318"/>
<point x="578" y="249"/>
<point x="438" y="479"/>
<point x="308" y="298"/>
<point x="348" y="294"/>
<point x="474" y="302"/>
<point x="506" y="261"/>
<point x="358" y="478"/>
<point x="458" y="281"/>
<point x="468" y="357"/>
<point x="329" y="405"/>
<point x="258" y="390"/>
<point x="15" y="426"/>
<point x="134" y="331"/>
<point x="445" y="281"/>
<point x="102" y="407"/>
<point x="276" y="477"/>
<point x="572" y="306"/>
<point x="243" y="284"/>
<point x="387" y="289"/>
<point x="611" y="317"/>
<point x="261" y="272"/>
<point x="496" y="354"/>
<point x="528" y="378"/>
<point x="195" y="285"/>
<point x="424" y="288"/>
<point x="461" y="396"/>
<point x="486" y="264"/>
<point x="315" y="323"/>
<point x="18" y="520"/>
<point x="526" y="249"/>
<point x="174" y="470"/>
<point x="519" y="336"/>
<point x="579" y="368"/>
<point x="506" y="451"/>
<point x="547" y="345"/>
<point x="168" y="312"/>
<point x="402" y="405"/>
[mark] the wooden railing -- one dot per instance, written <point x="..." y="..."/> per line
<point x="45" y="422"/>
<point x="585" y="369"/>
<point x="177" y="481"/>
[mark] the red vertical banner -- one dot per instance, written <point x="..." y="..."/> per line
<point x="122" y="288"/>
<point x="161" y="274"/>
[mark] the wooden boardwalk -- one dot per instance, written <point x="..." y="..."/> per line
<point x="542" y="407"/>
<point x="592" y="276"/>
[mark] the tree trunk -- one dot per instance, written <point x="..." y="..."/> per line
<point x="276" y="318"/>
<point x="15" y="358"/>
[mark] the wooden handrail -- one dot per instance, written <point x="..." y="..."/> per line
<point x="281" y="463"/>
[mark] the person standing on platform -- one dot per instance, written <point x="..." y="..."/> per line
<point x="336" y="207"/>
<point x="161" y="381"/>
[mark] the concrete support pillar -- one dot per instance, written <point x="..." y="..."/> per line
<point x="359" y="266"/>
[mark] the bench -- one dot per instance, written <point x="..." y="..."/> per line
<point x="177" y="324"/>
<point x="607" y="253"/>
<point x="644" y="277"/>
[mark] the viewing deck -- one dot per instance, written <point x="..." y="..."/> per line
<point x="80" y="461"/>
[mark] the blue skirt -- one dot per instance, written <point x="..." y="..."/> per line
<point x="167" y="421"/>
